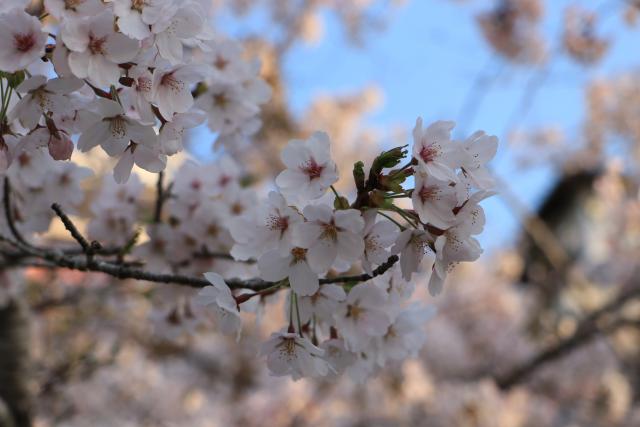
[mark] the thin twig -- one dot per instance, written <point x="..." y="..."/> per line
<point x="87" y="248"/>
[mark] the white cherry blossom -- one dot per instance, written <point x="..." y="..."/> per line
<point x="290" y="354"/>
<point x="22" y="40"/>
<point x="41" y="96"/>
<point x="140" y="95"/>
<point x="73" y="9"/>
<point x="310" y="169"/>
<point x="114" y="130"/>
<point x="362" y="316"/>
<point x="378" y="237"/>
<point x="172" y="133"/>
<point x="295" y="265"/>
<point x="140" y="155"/>
<point x="135" y="17"/>
<point x="435" y="151"/>
<point x="57" y="142"/>
<point x="322" y="304"/>
<point x="433" y="200"/>
<point x="97" y="49"/>
<point x="219" y="298"/>
<point x="337" y="356"/>
<point x="330" y="235"/>
<point x="171" y="88"/>
<point x="176" y="29"/>
<point x="412" y="245"/>
<point x="268" y="228"/>
<point x="226" y="106"/>
<point x="405" y="336"/>
<point x="480" y="149"/>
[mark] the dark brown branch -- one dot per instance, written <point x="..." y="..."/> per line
<point x="8" y="213"/>
<point x="381" y="269"/>
<point x="55" y="258"/>
<point x="160" y="198"/>
<point x="590" y="327"/>
<point x="87" y="248"/>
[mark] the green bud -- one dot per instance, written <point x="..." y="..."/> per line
<point x="14" y="79"/>
<point x="358" y="175"/>
<point x="341" y="203"/>
<point x="388" y="159"/>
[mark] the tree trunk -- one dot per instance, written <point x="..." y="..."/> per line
<point x="15" y="400"/>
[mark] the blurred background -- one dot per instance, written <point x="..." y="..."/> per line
<point x="544" y="330"/>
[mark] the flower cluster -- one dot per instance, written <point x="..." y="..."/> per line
<point x="131" y="77"/>
<point x="303" y="240"/>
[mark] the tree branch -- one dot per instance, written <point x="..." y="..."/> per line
<point x="55" y="258"/>
<point x="160" y="198"/>
<point x="8" y="214"/>
<point x="589" y="328"/>
<point x="87" y="248"/>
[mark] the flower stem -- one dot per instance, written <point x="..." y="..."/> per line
<point x="400" y="226"/>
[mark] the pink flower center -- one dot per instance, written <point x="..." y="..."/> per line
<point x="138" y="5"/>
<point x="354" y="311"/>
<point x="170" y="81"/>
<point x="276" y="222"/>
<point x="220" y="63"/>
<point x="220" y="100"/>
<point x="72" y="4"/>
<point x="312" y="169"/>
<point x="299" y="254"/>
<point x="428" y="193"/>
<point x="428" y="153"/>
<point x="24" y="42"/>
<point x="96" y="44"/>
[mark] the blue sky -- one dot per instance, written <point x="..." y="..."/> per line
<point x="427" y="60"/>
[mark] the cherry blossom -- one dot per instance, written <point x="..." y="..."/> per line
<point x="96" y="49"/>
<point x="74" y="9"/>
<point x="141" y="155"/>
<point x="268" y="228"/>
<point x="172" y="133"/>
<point x="139" y="95"/>
<point x="22" y="40"/>
<point x="41" y="96"/>
<point x="114" y="130"/>
<point x="58" y="142"/>
<point x="136" y="16"/>
<point x="378" y="237"/>
<point x="480" y="149"/>
<point x="404" y="337"/>
<point x="295" y="265"/>
<point x="171" y="88"/>
<point x="330" y="235"/>
<point x="310" y="170"/>
<point x="219" y="298"/>
<point x="435" y="151"/>
<point x="412" y="245"/>
<point x="176" y="29"/>
<point x="362" y="316"/>
<point x="322" y="304"/>
<point x="433" y="200"/>
<point x="290" y="354"/>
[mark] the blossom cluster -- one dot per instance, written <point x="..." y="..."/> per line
<point x="301" y="239"/>
<point x="129" y="76"/>
<point x="132" y="77"/>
